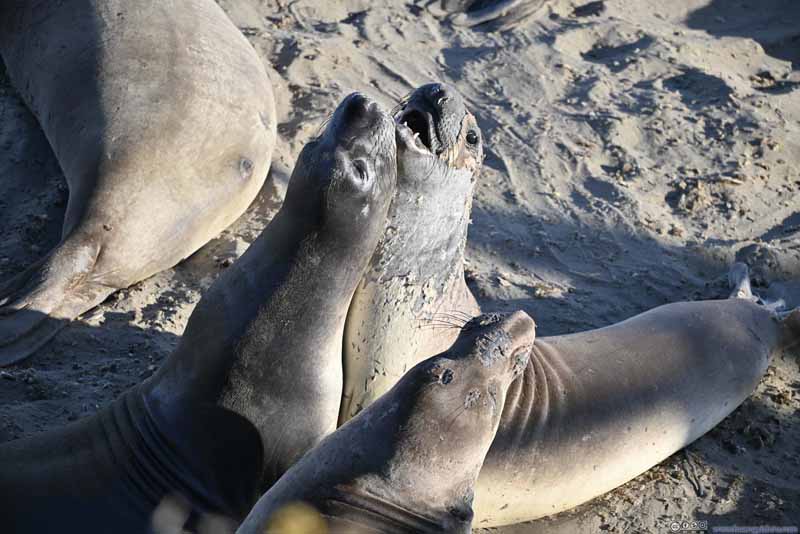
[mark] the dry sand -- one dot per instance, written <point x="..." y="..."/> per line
<point x="632" y="152"/>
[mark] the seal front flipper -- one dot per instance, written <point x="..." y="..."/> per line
<point x="40" y="301"/>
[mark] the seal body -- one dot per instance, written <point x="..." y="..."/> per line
<point x="416" y="276"/>
<point x="595" y="409"/>
<point x="162" y="118"/>
<point x="266" y="341"/>
<point x="256" y="378"/>
<point x="409" y="461"/>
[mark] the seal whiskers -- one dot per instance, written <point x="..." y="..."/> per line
<point x="408" y="462"/>
<point x="256" y="378"/>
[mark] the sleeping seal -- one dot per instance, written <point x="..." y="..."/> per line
<point x="162" y="118"/>
<point x="408" y="462"/>
<point x="256" y="378"/>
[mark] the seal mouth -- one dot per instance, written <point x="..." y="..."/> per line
<point x="416" y="128"/>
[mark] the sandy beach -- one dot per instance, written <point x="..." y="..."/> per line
<point x="634" y="149"/>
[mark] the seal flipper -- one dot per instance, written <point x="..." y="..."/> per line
<point x="40" y="301"/>
<point x="739" y="282"/>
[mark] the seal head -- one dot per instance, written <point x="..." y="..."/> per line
<point x="437" y="134"/>
<point x="350" y="163"/>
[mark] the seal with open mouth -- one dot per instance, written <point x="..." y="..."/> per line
<point x="408" y="463"/>
<point x="162" y="119"/>
<point x="593" y="409"/>
<point x="256" y="378"/>
<point x="417" y="272"/>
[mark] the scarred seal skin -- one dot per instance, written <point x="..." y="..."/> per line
<point x="592" y="410"/>
<point x="417" y="273"/>
<point x="256" y="378"/>
<point x="408" y="462"/>
<point x="162" y="118"/>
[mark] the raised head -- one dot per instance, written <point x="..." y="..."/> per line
<point x="409" y="462"/>
<point x="443" y="415"/>
<point x="348" y="170"/>
<point x="437" y="135"/>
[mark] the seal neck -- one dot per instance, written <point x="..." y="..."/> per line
<point x="180" y="450"/>
<point x="426" y="231"/>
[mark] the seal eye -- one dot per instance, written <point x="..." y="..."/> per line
<point x="472" y="137"/>
<point x="361" y="168"/>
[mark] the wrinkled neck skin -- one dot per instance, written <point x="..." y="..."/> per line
<point x="114" y="469"/>
<point x="368" y="477"/>
<point x="415" y="276"/>
<point x="426" y="234"/>
<point x="620" y="399"/>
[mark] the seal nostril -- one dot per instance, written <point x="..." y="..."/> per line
<point x="357" y="105"/>
<point x="447" y="376"/>
<point x="437" y="91"/>
<point x="463" y="513"/>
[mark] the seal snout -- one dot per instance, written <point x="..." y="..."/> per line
<point x="430" y="120"/>
<point x="502" y="343"/>
<point x="521" y="327"/>
<point x="357" y="114"/>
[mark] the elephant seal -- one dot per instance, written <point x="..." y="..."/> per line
<point x="408" y="462"/>
<point x="256" y="378"/>
<point x="162" y="118"/>
<point x="417" y="272"/>
<point x="625" y="396"/>
<point x="595" y="409"/>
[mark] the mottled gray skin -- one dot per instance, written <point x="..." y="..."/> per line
<point x="256" y="378"/>
<point x="162" y="118"/>
<point x="595" y="409"/>
<point x="417" y="273"/>
<point x="407" y="464"/>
